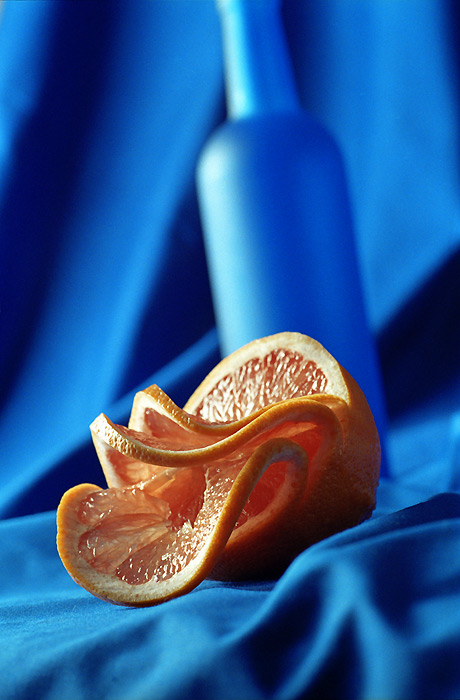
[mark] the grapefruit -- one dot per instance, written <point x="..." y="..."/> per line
<point x="275" y="450"/>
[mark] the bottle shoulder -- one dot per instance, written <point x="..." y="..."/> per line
<point x="279" y="135"/>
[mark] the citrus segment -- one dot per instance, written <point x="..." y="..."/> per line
<point x="220" y="488"/>
<point x="157" y="416"/>
<point x="289" y="417"/>
<point x="123" y="545"/>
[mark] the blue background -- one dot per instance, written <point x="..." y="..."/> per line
<point x="104" y="108"/>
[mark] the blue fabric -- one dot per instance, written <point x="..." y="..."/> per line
<point x="103" y="281"/>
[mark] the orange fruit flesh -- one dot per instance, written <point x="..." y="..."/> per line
<point x="203" y="492"/>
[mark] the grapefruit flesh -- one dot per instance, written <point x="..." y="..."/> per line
<point x="275" y="450"/>
<point x="259" y="382"/>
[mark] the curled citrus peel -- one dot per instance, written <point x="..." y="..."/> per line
<point x="262" y="462"/>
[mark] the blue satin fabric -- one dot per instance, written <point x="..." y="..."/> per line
<point x="104" y="108"/>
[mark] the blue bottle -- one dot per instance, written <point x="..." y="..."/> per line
<point x="275" y="208"/>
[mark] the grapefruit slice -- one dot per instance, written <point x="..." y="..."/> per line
<point x="275" y="450"/>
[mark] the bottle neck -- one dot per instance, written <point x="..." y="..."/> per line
<point x="258" y="72"/>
